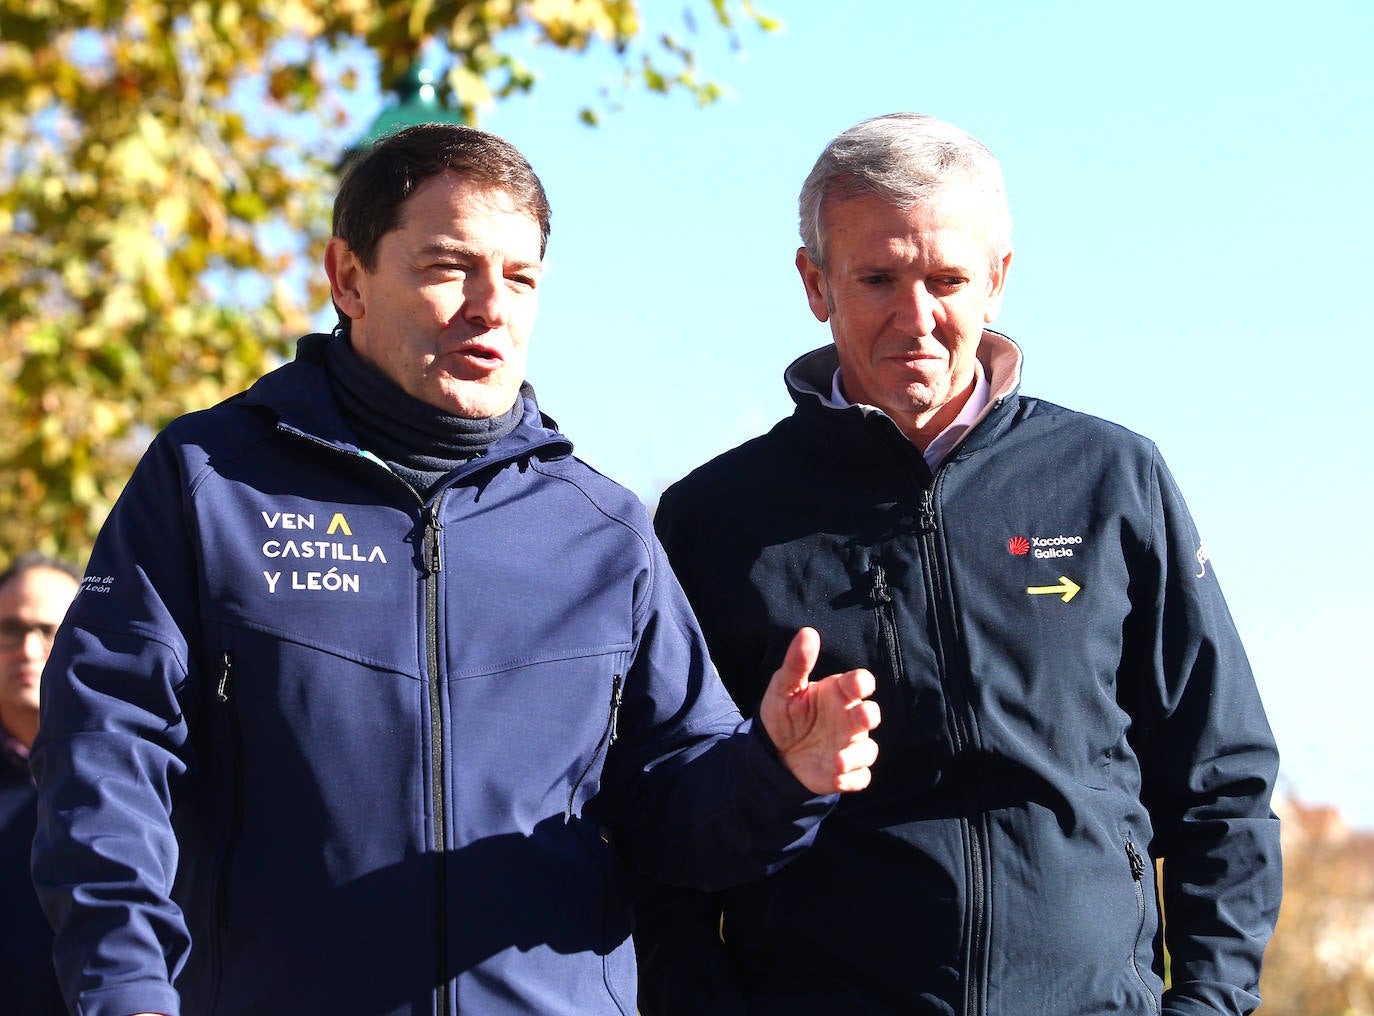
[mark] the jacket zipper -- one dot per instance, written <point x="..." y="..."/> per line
<point x="608" y="736"/>
<point x="1138" y="869"/>
<point x="887" y="625"/>
<point x="963" y="739"/>
<point x="223" y="687"/>
<point x="890" y="642"/>
<point x="433" y="563"/>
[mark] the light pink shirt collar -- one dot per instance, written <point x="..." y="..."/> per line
<point x="947" y="439"/>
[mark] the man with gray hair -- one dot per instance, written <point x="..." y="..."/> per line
<point x="1065" y="698"/>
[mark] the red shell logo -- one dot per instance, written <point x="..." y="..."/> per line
<point x="1019" y="545"/>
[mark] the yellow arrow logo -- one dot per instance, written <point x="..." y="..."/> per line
<point x="1067" y="589"/>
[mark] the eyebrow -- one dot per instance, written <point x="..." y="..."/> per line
<point x="442" y="248"/>
<point x="448" y="248"/>
<point x="892" y="266"/>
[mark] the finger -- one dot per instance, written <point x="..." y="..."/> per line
<point x="853" y="718"/>
<point x="798" y="662"/>
<point x="854" y="764"/>
<point x="853" y="685"/>
<point x="857" y="684"/>
<point x="857" y="780"/>
<point x="858" y="755"/>
<point x="856" y="720"/>
<point x="865" y="716"/>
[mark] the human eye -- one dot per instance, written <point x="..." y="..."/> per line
<point x="447" y="269"/>
<point x="948" y="283"/>
<point x="874" y="279"/>
<point x="443" y="259"/>
<point x="522" y="279"/>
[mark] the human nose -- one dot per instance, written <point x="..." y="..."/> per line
<point x="919" y="306"/>
<point x="484" y="299"/>
<point x="37" y="644"/>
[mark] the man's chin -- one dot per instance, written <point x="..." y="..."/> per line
<point x="475" y="400"/>
<point x="918" y="399"/>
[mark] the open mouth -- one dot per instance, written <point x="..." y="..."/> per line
<point x="481" y="356"/>
<point x="481" y="352"/>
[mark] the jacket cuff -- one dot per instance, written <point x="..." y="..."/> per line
<point x="136" y="997"/>
<point x="782" y="789"/>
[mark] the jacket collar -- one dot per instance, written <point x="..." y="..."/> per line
<point x="299" y="396"/>
<point x="808" y="380"/>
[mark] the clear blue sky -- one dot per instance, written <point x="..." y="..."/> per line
<point x="1190" y="191"/>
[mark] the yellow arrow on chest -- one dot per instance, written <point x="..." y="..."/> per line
<point x="1067" y="589"/>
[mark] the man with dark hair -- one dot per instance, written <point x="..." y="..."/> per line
<point x="35" y="591"/>
<point x="1065" y="698"/>
<point x="374" y="692"/>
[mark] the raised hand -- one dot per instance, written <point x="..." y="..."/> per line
<point x="820" y="728"/>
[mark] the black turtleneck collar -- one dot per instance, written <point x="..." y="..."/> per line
<point x="421" y="443"/>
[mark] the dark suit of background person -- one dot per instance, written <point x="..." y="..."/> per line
<point x="35" y="591"/>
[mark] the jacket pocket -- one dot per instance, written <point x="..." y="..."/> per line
<point x="1139" y="867"/>
<point x="224" y="703"/>
<point x="224" y="691"/>
<point x="890" y="656"/>
<point x="608" y="736"/>
<point x="615" y="950"/>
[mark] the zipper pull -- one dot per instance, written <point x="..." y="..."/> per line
<point x="1137" y="862"/>
<point x="927" y="519"/>
<point x="615" y="709"/>
<point x="880" y="591"/>
<point x="226" y="668"/>
<point x="433" y="562"/>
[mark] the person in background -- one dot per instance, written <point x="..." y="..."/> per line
<point x="35" y="591"/>
<point x="1065" y="699"/>
<point x="375" y="692"/>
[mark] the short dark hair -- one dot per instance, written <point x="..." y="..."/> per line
<point x="378" y="180"/>
<point x="28" y="562"/>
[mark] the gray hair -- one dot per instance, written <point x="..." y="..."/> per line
<point x="903" y="158"/>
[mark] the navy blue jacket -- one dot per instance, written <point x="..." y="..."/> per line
<point x="310" y="744"/>
<point x="1064" y="700"/>
<point x="28" y="986"/>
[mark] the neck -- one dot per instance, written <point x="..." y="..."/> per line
<point x="926" y="427"/>
<point x="22" y="724"/>
<point x="420" y="442"/>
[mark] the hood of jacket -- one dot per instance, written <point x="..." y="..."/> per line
<point x="298" y="394"/>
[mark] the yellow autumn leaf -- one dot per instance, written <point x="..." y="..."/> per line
<point x="126" y="179"/>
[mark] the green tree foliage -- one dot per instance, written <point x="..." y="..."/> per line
<point x="165" y="173"/>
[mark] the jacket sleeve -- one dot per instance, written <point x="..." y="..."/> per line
<point x="699" y="798"/>
<point x="111" y="749"/>
<point x="1209" y="763"/>
<point x="684" y="967"/>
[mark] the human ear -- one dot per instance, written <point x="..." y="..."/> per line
<point x="813" y="278"/>
<point x="345" y="273"/>
<point x="997" y="281"/>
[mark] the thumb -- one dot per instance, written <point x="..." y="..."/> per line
<point x="798" y="663"/>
